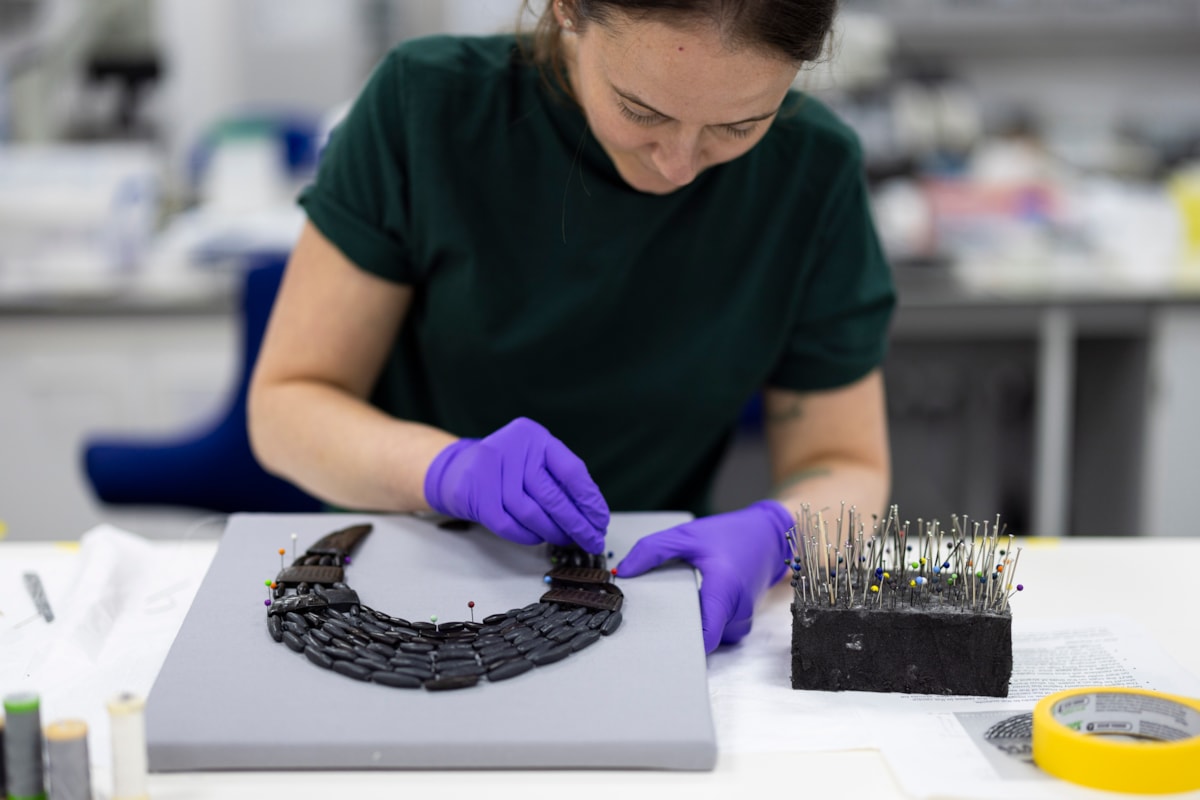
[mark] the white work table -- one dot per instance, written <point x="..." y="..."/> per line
<point x="142" y="590"/>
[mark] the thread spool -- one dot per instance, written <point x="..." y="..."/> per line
<point x="128" y="724"/>
<point x="3" y="781"/>
<point x="23" y="747"/>
<point x="68" y="774"/>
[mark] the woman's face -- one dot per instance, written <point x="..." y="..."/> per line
<point x="666" y="103"/>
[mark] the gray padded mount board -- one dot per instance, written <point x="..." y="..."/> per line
<point x="229" y="697"/>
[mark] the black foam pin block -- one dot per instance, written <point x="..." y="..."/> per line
<point x="935" y="648"/>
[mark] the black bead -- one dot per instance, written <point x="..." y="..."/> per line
<point x="293" y="641"/>
<point x="412" y="672"/>
<point x="452" y="682"/>
<point x="465" y="669"/>
<point x="341" y="653"/>
<point x="563" y="634"/>
<point x="584" y="639"/>
<point x="275" y="628"/>
<point x="336" y="629"/>
<point x="487" y="641"/>
<point x="410" y="662"/>
<point x="386" y="637"/>
<point x="549" y="655"/>
<point x="318" y="657"/>
<point x="298" y="629"/>
<point x="524" y="636"/>
<point x="611" y="624"/>
<point x="542" y="646"/>
<point x="509" y="669"/>
<point x="382" y="649"/>
<point x="374" y="663"/>
<point x="517" y="632"/>
<point x="530" y="645"/>
<point x="352" y="670"/>
<point x="500" y="654"/>
<point x="397" y="680"/>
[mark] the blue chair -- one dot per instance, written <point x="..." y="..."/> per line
<point x="213" y="467"/>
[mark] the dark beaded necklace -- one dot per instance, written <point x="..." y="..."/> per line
<point x="316" y="613"/>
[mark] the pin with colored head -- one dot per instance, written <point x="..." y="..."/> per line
<point x="282" y="552"/>
<point x="471" y="606"/>
<point x="268" y="583"/>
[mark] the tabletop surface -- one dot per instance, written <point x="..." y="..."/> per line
<point x="767" y="741"/>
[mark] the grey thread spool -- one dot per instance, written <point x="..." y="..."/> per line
<point x="3" y="782"/>
<point x="23" y="746"/>
<point x="68" y="774"/>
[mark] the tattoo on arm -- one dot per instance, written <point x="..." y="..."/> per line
<point x="789" y="413"/>
<point x="797" y="478"/>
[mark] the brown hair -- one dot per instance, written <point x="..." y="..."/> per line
<point x="795" y="30"/>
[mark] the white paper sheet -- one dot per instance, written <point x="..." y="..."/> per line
<point x="981" y="744"/>
<point x="118" y="601"/>
<point x="936" y="745"/>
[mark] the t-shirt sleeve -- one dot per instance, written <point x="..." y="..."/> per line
<point x="358" y="199"/>
<point x="845" y="304"/>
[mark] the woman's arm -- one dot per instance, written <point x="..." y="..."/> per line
<point x="830" y="447"/>
<point x="331" y="329"/>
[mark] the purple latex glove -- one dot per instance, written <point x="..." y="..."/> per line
<point x="739" y="555"/>
<point x="522" y="484"/>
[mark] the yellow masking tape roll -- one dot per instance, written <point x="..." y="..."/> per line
<point x="1120" y="740"/>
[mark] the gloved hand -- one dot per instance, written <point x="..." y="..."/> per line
<point x="739" y="555"/>
<point x="521" y="483"/>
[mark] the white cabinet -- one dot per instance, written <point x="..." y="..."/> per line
<point x="67" y="376"/>
<point x="1172" y="474"/>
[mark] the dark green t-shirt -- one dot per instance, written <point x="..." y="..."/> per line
<point x="635" y="327"/>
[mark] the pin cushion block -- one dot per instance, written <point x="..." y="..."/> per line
<point x="926" y="650"/>
<point x="902" y="608"/>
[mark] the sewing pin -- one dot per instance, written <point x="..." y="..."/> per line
<point x="471" y="605"/>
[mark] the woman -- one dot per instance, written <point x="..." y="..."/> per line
<point x="541" y="277"/>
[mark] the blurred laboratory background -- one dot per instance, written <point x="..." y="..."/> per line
<point x="1035" y="170"/>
